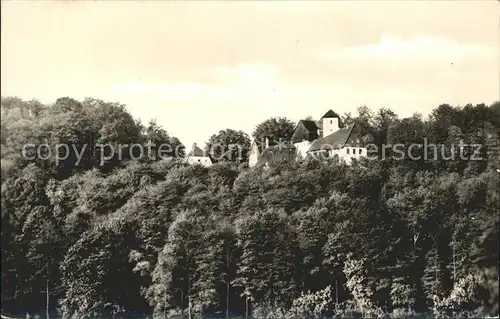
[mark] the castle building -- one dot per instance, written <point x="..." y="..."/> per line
<point x="314" y="140"/>
<point x="198" y="156"/>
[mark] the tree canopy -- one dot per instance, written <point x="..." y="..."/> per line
<point x="150" y="236"/>
<point x="274" y="129"/>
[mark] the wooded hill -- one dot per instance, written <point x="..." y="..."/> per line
<point x="302" y="239"/>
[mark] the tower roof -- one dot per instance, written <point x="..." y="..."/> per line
<point x="330" y="114"/>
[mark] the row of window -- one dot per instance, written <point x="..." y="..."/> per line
<point x="348" y="150"/>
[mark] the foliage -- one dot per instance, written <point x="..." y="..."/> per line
<point x="313" y="305"/>
<point x="273" y="129"/>
<point x="306" y="239"/>
<point x="229" y="145"/>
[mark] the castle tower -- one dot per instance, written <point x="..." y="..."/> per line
<point x="331" y="123"/>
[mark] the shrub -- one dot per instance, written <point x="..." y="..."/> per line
<point x="313" y="305"/>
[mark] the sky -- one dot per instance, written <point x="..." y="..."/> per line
<point x="199" y="67"/>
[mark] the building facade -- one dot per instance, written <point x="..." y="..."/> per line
<point x="198" y="157"/>
<point x="314" y="140"/>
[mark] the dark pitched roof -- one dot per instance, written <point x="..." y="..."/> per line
<point x="310" y="126"/>
<point x="196" y="151"/>
<point x="305" y="130"/>
<point x="335" y="140"/>
<point x="278" y="153"/>
<point x="330" y="114"/>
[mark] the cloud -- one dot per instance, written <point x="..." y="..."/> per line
<point x="416" y="51"/>
<point x="257" y="74"/>
<point x="242" y="82"/>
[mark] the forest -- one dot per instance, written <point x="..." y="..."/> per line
<point x="158" y="238"/>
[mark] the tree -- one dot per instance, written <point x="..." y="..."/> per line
<point x="359" y="284"/>
<point x="381" y="124"/>
<point x="10" y="286"/>
<point x="177" y="266"/>
<point x="229" y="145"/>
<point x="217" y="268"/>
<point x="44" y="252"/>
<point x="274" y="129"/>
<point x="365" y="120"/>
<point x="433" y="278"/>
<point x="94" y="268"/>
<point x="162" y="144"/>
<point x="267" y="271"/>
<point x="312" y="236"/>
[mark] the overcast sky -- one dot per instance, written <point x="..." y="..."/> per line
<point x="198" y="67"/>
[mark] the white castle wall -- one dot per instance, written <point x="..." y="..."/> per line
<point x="302" y="148"/>
<point x="205" y="161"/>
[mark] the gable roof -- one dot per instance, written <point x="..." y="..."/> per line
<point x="335" y="140"/>
<point x="310" y="126"/>
<point x="196" y="151"/>
<point x="330" y="114"/>
<point x="305" y="130"/>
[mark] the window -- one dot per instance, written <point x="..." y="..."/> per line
<point x="354" y="151"/>
<point x="331" y="121"/>
<point x="347" y="150"/>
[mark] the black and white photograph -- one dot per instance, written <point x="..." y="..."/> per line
<point x="250" y="159"/>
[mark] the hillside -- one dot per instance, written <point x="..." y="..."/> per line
<point x="95" y="234"/>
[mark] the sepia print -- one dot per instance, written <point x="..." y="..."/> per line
<point x="250" y="159"/>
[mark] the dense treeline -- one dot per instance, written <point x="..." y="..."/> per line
<point x="304" y="239"/>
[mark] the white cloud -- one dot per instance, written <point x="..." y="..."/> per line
<point x="243" y="82"/>
<point x="417" y="51"/>
<point x="248" y="75"/>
